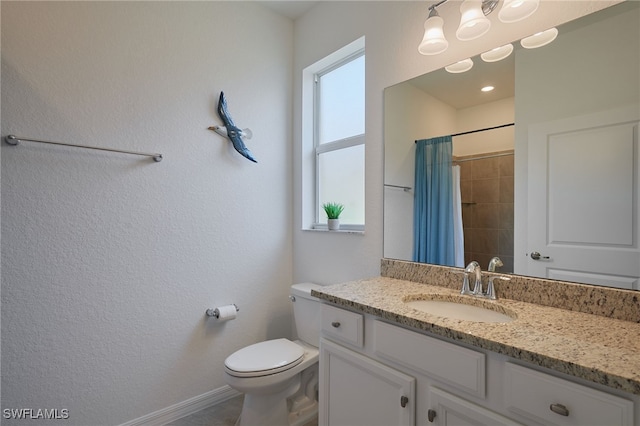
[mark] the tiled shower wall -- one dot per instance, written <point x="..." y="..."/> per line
<point x="486" y="186"/>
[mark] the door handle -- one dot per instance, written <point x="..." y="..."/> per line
<point x="537" y="256"/>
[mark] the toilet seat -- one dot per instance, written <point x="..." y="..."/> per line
<point x="264" y="358"/>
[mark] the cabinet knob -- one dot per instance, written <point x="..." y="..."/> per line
<point x="431" y="415"/>
<point x="559" y="409"/>
<point x="336" y="324"/>
<point x="404" y="401"/>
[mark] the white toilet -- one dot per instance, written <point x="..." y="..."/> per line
<point x="280" y="377"/>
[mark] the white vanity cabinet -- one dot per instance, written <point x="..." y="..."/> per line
<point x="376" y="373"/>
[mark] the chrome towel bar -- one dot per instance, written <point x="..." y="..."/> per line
<point x="404" y="188"/>
<point x="14" y="140"/>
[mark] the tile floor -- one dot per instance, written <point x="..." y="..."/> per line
<point x="224" y="414"/>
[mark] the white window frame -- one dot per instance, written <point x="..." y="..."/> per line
<point x="311" y="155"/>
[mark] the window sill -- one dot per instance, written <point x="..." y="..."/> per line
<point x="339" y="231"/>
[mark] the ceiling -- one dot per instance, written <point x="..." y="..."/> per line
<point x="292" y="9"/>
<point x="463" y="90"/>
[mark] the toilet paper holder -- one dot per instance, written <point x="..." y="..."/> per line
<point x="214" y="312"/>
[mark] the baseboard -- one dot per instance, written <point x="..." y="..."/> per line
<point x="185" y="408"/>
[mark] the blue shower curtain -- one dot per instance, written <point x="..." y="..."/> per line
<point x="433" y="217"/>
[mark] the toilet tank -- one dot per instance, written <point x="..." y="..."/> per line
<point x="306" y="313"/>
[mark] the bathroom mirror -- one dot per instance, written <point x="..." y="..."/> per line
<point x="571" y="102"/>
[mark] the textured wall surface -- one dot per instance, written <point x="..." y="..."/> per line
<point x="109" y="261"/>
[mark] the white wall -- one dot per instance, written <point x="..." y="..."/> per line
<point x="393" y="30"/>
<point x="487" y="115"/>
<point x="110" y="261"/>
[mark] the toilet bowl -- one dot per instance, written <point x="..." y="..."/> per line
<point x="279" y="377"/>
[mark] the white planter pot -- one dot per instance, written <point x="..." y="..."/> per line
<point x="333" y="224"/>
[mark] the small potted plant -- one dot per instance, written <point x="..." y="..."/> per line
<point x="333" y="211"/>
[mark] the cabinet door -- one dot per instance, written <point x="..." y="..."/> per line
<point x="356" y="390"/>
<point x="449" y="410"/>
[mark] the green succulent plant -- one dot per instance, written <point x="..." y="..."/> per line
<point x="333" y="210"/>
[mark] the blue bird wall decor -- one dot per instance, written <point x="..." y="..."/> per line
<point x="230" y="131"/>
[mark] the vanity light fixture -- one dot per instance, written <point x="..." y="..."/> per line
<point x="459" y="67"/>
<point x="539" y="39"/>
<point x="517" y="10"/>
<point x="497" y="54"/>
<point x="473" y="21"/>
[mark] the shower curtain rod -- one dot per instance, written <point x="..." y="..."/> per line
<point x="479" y="130"/>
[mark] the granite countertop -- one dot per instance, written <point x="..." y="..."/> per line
<point x="595" y="348"/>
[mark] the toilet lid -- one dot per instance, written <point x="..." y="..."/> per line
<point x="264" y="358"/>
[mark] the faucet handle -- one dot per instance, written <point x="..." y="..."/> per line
<point x="493" y="263"/>
<point x="491" y="293"/>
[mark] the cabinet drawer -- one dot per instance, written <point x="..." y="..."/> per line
<point x="342" y="325"/>
<point x="451" y="364"/>
<point x="554" y="401"/>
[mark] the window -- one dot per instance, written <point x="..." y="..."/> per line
<point x="338" y="137"/>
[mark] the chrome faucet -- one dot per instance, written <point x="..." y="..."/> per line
<point x="473" y="267"/>
<point x="493" y="263"/>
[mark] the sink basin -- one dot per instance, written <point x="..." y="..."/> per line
<point x="461" y="308"/>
